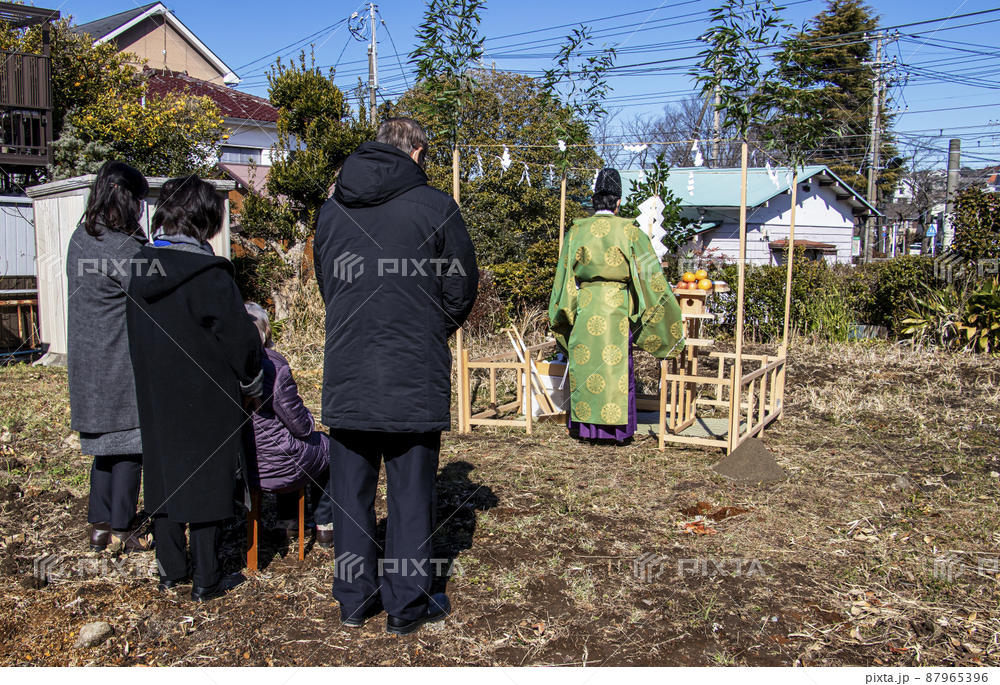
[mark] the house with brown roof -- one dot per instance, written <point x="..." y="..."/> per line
<point x="177" y="61"/>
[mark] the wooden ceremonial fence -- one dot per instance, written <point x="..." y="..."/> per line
<point x="529" y="392"/>
<point x="750" y="386"/>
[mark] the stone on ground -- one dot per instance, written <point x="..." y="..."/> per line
<point x="93" y="634"/>
<point x="751" y="462"/>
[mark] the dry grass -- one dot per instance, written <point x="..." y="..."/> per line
<point x="880" y="547"/>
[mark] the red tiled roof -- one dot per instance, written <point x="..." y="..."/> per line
<point x="232" y="103"/>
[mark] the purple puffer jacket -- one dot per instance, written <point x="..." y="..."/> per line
<point x="290" y="453"/>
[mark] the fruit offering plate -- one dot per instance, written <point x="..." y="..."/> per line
<point x="693" y="289"/>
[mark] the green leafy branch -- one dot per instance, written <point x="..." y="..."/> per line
<point x="449" y="43"/>
<point x="731" y="67"/>
<point x="580" y="82"/>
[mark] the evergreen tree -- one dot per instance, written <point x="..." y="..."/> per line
<point x="508" y="215"/>
<point x="830" y="59"/>
<point x="316" y="133"/>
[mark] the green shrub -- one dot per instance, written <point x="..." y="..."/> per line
<point x="959" y="316"/>
<point x="256" y="276"/>
<point x="527" y="282"/>
<point x="982" y="318"/>
<point x="880" y="292"/>
<point x="818" y="303"/>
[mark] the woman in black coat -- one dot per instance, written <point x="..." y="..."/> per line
<point x="197" y="357"/>
<point x="99" y="265"/>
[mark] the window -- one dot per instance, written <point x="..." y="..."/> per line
<point x="240" y="155"/>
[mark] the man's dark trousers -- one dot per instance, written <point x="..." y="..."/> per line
<point x="402" y="573"/>
<point x="114" y="490"/>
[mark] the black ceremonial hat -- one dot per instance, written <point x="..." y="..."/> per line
<point x="609" y="182"/>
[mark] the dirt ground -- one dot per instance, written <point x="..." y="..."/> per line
<point x="881" y="547"/>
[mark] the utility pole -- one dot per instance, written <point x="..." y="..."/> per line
<point x="372" y="65"/>
<point x="875" y="143"/>
<point x="717" y="126"/>
<point x="954" y="173"/>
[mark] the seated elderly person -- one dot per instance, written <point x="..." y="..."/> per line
<point x="290" y="453"/>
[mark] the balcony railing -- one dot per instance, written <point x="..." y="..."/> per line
<point x="25" y="109"/>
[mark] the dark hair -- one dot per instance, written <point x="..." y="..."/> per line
<point x="113" y="204"/>
<point x="403" y="133"/>
<point x="189" y="206"/>
<point x="605" y="201"/>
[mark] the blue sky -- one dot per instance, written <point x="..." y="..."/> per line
<point x="946" y="83"/>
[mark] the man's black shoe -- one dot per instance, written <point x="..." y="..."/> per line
<point x="100" y="535"/>
<point x="203" y="594"/>
<point x="437" y="608"/>
<point x="356" y="619"/>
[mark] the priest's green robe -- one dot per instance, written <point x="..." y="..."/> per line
<point x="609" y="283"/>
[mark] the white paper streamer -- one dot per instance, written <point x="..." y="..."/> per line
<point x="691" y="183"/>
<point x="634" y="147"/>
<point x="505" y="160"/>
<point x="562" y="145"/>
<point x="525" y="176"/>
<point x="772" y="174"/>
<point x="698" y="159"/>
<point x="480" y="172"/>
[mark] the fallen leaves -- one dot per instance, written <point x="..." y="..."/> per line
<point x="704" y="514"/>
<point x="699" y="526"/>
<point x="713" y="512"/>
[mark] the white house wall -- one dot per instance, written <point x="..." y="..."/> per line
<point x="253" y="134"/>
<point x="820" y="217"/>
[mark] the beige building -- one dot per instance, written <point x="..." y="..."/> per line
<point x="155" y="35"/>
<point x="175" y="60"/>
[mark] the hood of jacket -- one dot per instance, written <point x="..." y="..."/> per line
<point x="375" y="174"/>
<point x="161" y="270"/>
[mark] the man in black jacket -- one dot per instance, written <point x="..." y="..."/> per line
<point x="398" y="275"/>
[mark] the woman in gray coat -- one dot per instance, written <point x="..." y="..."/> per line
<point x="99" y="264"/>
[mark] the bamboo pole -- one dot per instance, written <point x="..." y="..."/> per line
<point x="779" y="390"/>
<point x="562" y="210"/>
<point x="789" y="257"/>
<point x="463" y="419"/>
<point x="735" y="395"/>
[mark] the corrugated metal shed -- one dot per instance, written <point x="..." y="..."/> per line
<point x="17" y="237"/>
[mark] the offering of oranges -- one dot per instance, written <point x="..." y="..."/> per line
<point x="696" y="280"/>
